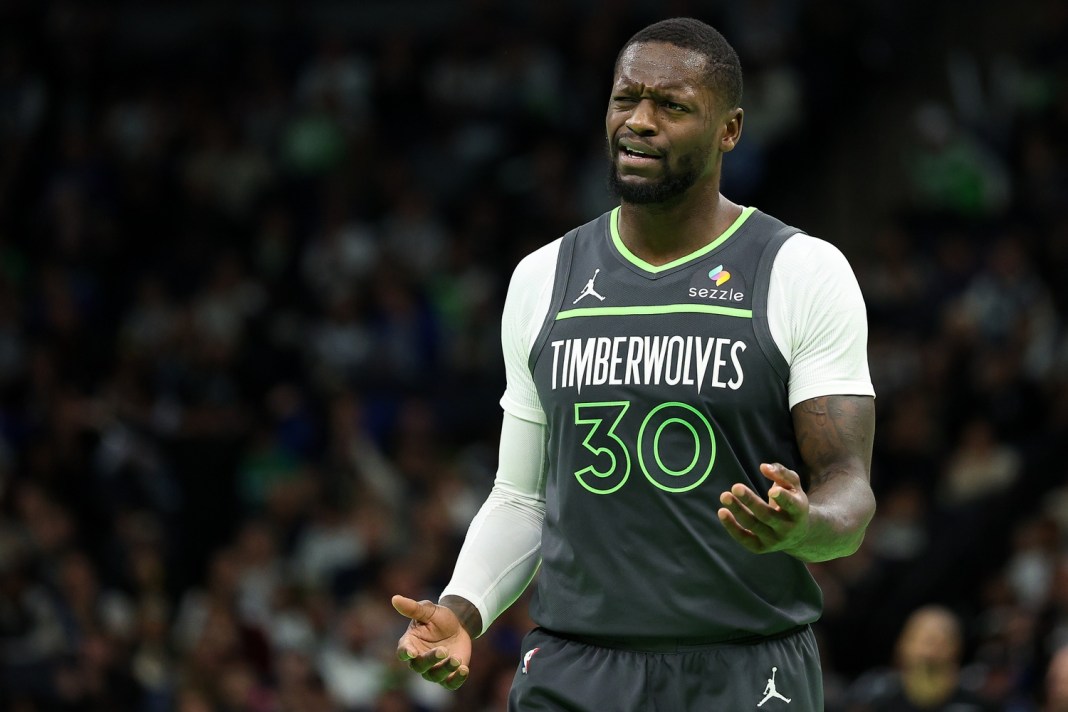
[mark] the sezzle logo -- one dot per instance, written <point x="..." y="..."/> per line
<point x="700" y="287"/>
<point x="719" y="275"/>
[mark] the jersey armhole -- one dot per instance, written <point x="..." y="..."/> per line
<point x="761" y="323"/>
<point x="563" y="271"/>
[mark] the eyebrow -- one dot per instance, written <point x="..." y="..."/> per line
<point x="624" y="83"/>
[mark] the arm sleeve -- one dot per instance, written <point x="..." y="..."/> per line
<point x="525" y="307"/>
<point x="501" y="552"/>
<point x="502" y="549"/>
<point x="818" y="320"/>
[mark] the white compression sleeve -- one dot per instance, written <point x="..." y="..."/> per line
<point x="502" y="549"/>
<point x="820" y="325"/>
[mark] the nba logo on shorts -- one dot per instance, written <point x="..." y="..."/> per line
<point x="527" y="657"/>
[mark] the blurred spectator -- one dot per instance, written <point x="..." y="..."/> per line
<point x="31" y="630"/>
<point x="899" y="533"/>
<point x="152" y="660"/>
<point x="85" y="608"/>
<point x="355" y="658"/>
<point x="329" y="545"/>
<point x="927" y="675"/>
<point x="979" y="466"/>
<point x="953" y="171"/>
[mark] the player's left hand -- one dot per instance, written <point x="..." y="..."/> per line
<point x="778" y="524"/>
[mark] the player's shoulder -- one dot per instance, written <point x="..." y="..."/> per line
<point x="801" y="251"/>
<point x="809" y="269"/>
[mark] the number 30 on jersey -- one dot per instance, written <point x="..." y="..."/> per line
<point x="677" y="469"/>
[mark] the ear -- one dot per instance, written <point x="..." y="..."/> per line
<point x="732" y="130"/>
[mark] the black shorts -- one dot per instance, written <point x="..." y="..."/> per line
<point x="566" y="674"/>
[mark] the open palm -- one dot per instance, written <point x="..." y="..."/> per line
<point x="435" y="645"/>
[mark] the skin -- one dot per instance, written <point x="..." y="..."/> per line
<point x="661" y="104"/>
<point x="827" y="519"/>
<point x="659" y="101"/>
<point x="437" y="644"/>
<point x="928" y="655"/>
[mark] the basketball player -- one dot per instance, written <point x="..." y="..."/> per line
<point x="688" y="420"/>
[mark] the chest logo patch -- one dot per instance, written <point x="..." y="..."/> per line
<point x="718" y="285"/>
<point x="588" y="290"/>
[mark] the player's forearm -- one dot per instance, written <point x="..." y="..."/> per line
<point x="841" y="505"/>
<point x="466" y="612"/>
<point x="500" y="554"/>
<point x="835" y="435"/>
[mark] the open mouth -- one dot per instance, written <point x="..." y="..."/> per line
<point x="637" y="152"/>
<point x="637" y="156"/>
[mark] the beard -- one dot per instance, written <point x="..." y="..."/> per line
<point x="671" y="184"/>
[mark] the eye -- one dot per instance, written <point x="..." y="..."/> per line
<point x="672" y="106"/>
<point x="623" y="99"/>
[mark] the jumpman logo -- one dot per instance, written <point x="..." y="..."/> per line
<point x="588" y="289"/>
<point x="770" y="690"/>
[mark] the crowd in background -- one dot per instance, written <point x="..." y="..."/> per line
<point x="252" y="263"/>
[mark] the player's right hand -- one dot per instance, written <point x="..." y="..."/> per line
<point x="435" y="645"/>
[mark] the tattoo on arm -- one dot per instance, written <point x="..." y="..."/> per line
<point x="835" y="433"/>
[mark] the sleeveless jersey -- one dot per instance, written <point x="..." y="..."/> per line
<point x="662" y="387"/>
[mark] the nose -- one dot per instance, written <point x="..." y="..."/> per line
<point x="642" y="119"/>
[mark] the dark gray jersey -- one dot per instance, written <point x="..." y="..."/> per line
<point x="662" y="387"/>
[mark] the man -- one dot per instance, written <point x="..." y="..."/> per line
<point x="927" y="677"/>
<point x="678" y="443"/>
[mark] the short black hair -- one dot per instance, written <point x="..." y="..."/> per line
<point x="722" y="68"/>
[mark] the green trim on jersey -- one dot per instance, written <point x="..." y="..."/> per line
<point x="655" y="309"/>
<point x="613" y="221"/>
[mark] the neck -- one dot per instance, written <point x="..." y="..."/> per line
<point x="659" y="233"/>
<point x="929" y="689"/>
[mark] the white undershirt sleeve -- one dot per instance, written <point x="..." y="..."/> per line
<point x="525" y="307"/>
<point x="818" y="320"/>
